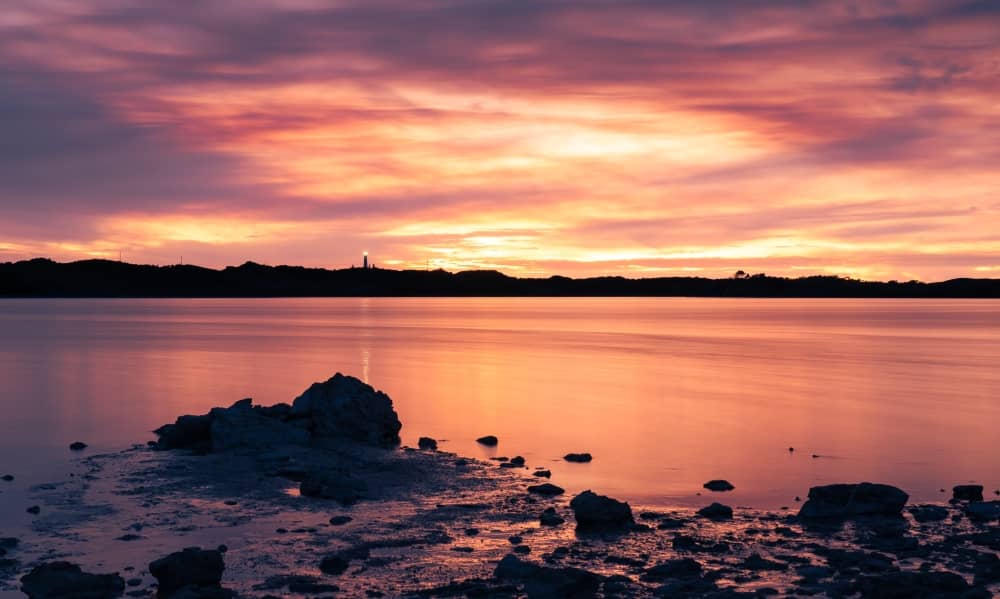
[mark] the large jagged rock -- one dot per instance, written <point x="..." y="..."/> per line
<point x="345" y="407"/>
<point x="242" y="426"/>
<point x="63" y="580"/>
<point x="598" y="512"/>
<point x="846" y="500"/>
<point x="192" y="568"/>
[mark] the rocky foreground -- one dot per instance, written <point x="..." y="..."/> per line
<point x="315" y="499"/>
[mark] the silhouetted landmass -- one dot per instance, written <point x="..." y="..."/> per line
<point x="103" y="278"/>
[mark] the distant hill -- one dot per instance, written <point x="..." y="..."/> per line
<point x="103" y="278"/>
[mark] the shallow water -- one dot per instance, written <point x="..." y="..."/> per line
<point x="666" y="393"/>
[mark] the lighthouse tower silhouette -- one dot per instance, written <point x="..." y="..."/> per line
<point x="366" y="261"/>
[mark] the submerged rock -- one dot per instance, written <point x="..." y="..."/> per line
<point x="546" y="489"/>
<point x="716" y="511"/>
<point x="337" y="486"/>
<point x="929" y="513"/>
<point x="674" y="568"/>
<point x="983" y="510"/>
<point x="488" y="440"/>
<point x="192" y="567"/>
<point x="593" y="511"/>
<point x="913" y="584"/>
<point x="719" y="485"/>
<point x="578" y="457"/>
<point x="541" y="581"/>
<point x="847" y="500"/>
<point x="967" y="492"/>
<point x="78" y="446"/>
<point x="345" y="407"/>
<point x="427" y="443"/>
<point x="550" y="518"/>
<point x="63" y="580"/>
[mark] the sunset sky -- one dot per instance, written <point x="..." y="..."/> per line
<point x="576" y="137"/>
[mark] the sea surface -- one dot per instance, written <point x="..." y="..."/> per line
<point x="666" y="393"/>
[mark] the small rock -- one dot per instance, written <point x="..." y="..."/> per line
<point x="134" y="582"/>
<point x="542" y="473"/>
<point x="66" y="580"/>
<point x="8" y="477"/>
<point x="488" y="440"/>
<point x="463" y="549"/>
<point x="716" y="511"/>
<point x="849" y="500"/>
<point x="719" y="485"/>
<point x="191" y="567"/>
<point x="546" y="489"/>
<point x="967" y="492"/>
<point x="522" y="549"/>
<point x="515" y="539"/>
<point x="471" y="532"/>
<point x="427" y="443"/>
<point x="593" y="511"/>
<point x="340" y="520"/>
<point x="517" y="461"/>
<point x="34" y="510"/>
<point x="78" y="446"/>
<point x="578" y="457"/>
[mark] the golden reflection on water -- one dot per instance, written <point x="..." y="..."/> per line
<point x="665" y="393"/>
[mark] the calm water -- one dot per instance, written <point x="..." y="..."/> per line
<point x="666" y="393"/>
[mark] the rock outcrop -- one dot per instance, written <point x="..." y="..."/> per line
<point x="847" y="500"/>
<point x="341" y="408"/>
<point x="347" y="408"/>
<point x="597" y="512"/>
<point x="241" y="426"/>
<point x="63" y="580"/>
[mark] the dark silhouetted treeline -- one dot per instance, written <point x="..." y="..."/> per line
<point x="103" y="278"/>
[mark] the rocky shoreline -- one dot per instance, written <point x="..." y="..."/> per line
<point x="315" y="499"/>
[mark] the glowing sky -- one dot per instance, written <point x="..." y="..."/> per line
<point x="638" y="137"/>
